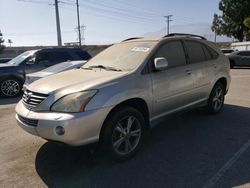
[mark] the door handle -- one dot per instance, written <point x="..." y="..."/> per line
<point x="189" y="71"/>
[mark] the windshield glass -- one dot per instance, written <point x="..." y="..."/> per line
<point x="123" y="56"/>
<point x="19" y="59"/>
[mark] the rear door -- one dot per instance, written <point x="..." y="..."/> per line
<point x="172" y="88"/>
<point x="244" y="58"/>
<point x="202" y="66"/>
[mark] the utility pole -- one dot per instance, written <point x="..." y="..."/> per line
<point x="168" y="20"/>
<point x="78" y="20"/>
<point x="59" y="37"/>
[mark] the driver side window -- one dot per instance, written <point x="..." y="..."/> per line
<point x="42" y="57"/>
<point x="173" y="52"/>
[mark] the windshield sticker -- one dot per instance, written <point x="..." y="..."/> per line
<point x="140" y="49"/>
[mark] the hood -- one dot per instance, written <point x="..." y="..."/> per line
<point x="75" y="80"/>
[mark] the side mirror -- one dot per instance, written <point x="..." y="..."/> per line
<point x="160" y="63"/>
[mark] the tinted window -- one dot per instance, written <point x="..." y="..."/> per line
<point x="59" y="56"/>
<point x="213" y="53"/>
<point x="207" y="53"/>
<point x="173" y="52"/>
<point x="53" y="56"/>
<point x="42" y="57"/>
<point x="84" y="55"/>
<point x="195" y="52"/>
<point x="244" y="53"/>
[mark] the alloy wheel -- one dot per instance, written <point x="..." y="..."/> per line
<point x="10" y="88"/>
<point x="126" y="135"/>
<point x="218" y="99"/>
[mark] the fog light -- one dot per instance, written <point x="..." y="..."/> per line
<point x="60" y="130"/>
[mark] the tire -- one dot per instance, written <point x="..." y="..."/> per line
<point x="117" y="138"/>
<point x="10" y="87"/>
<point x="216" y="99"/>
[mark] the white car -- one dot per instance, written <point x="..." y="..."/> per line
<point x="68" y="65"/>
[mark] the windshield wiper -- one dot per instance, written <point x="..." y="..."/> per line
<point x="104" y="67"/>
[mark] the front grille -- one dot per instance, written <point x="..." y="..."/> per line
<point x="32" y="99"/>
<point x="30" y="122"/>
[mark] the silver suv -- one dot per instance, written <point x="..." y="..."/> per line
<point x="124" y="90"/>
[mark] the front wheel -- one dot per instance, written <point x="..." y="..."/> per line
<point x="10" y="87"/>
<point x="123" y="133"/>
<point x="216" y="99"/>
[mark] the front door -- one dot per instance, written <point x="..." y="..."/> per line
<point x="172" y="88"/>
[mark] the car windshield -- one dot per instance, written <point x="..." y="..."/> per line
<point x="124" y="56"/>
<point x="19" y="59"/>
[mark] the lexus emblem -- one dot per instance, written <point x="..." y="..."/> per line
<point x="27" y="97"/>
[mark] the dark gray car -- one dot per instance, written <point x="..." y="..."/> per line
<point x="12" y="73"/>
<point x="240" y="58"/>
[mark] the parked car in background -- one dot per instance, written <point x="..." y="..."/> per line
<point x="124" y="90"/>
<point x="240" y="58"/>
<point x="4" y="60"/>
<point x="227" y="51"/>
<point x="12" y="73"/>
<point x="68" y="65"/>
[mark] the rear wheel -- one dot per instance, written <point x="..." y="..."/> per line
<point x="216" y="99"/>
<point x="123" y="133"/>
<point x="10" y="87"/>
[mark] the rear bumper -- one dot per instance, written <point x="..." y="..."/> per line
<point x="80" y="128"/>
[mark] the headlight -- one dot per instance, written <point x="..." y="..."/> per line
<point x="74" y="102"/>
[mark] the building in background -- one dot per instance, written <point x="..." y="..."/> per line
<point x="241" y="46"/>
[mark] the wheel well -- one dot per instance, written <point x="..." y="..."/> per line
<point x="21" y="80"/>
<point x="137" y="103"/>
<point x="223" y="81"/>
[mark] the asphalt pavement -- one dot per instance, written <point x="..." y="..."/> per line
<point x="191" y="149"/>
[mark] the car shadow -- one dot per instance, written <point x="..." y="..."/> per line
<point x="185" y="150"/>
<point x="6" y="101"/>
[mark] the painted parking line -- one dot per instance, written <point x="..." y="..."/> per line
<point x="226" y="166"/>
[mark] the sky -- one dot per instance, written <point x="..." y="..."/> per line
<point x="33" y="22"/>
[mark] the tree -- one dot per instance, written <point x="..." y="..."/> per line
<point x="231" y="22"/>
<point x="1" y="42"/>
<point x="247" y="24"/>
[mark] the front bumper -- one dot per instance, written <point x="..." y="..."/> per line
<point x="80" y="128"/>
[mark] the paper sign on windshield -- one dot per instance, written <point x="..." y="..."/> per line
<point x="140" y="49"/>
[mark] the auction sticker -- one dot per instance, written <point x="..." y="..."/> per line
<point x="140" y="49"/>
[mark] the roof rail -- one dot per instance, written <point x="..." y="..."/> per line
<point x="131" y="39"/>
<point x="185" y="35"/>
